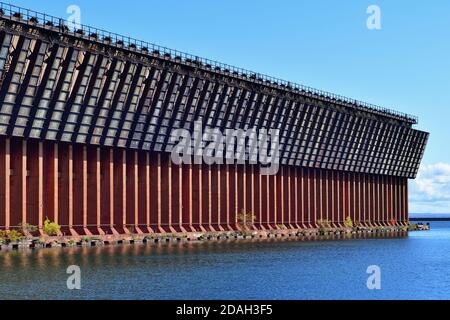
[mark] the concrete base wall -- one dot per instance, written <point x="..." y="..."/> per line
<point x="90" y="190"/>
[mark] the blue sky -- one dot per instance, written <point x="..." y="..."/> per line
<point x="323" y="44"/>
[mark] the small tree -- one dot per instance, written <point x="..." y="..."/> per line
<point x="27" y="228"/>
<point x="51" y="228"/>
<point x="246" y="220"/>
<point x="348" y="223"/>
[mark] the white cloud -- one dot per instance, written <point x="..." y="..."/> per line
<point x="430" y="191"/>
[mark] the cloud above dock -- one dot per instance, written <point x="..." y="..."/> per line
<point x="430" y="192"/>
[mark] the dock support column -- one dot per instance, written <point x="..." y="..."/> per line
<point x="55" y="183"/>
<point x="147" y="193"/>
<point x="24" y="182"/>
<point x="219" y="197"/>
<point x="7" y="183"/>
<point x="70" y="180"/>
<point x="296" y="198"/>
<point x="158" y="184"/>
<point x="111" y="193"/>
<point x="85" y="193"/>
<point x="41" y="187"/>
<point x="98" y="190"/>
<point x="180" y="198"/>
<point x="136" y="192"/>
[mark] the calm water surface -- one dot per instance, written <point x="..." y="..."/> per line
<point x="415" y="267"/>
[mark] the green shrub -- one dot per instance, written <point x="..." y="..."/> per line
<point x="51" y="228"/>
<point x="348" y="223"/>
<point x="8" y="236"/>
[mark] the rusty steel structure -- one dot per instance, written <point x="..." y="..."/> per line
<point x="85" y="122"/>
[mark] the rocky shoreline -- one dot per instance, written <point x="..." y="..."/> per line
<point x="293" y="234"/>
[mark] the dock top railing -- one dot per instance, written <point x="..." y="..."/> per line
<point x="34" y="18"/>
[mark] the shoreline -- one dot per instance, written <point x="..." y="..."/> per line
<point x="196" y="237"/>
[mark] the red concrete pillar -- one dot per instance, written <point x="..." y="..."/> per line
<point x="338" y="198"/>
<point x="223" y="197"/>
<point x="106" y="173"/>
<point x="77" y="219"/>
<point x="4" y="183"/>
<point x="290" y="207"/>
<point x="286" y="197"/>
<point x="196" y="196"/>
<point x="206" y="198"/>
<point x="369" y="199"/>
<point x="217" y="197"/>
<point x="187" y="197"/>
<point x="257" y="197"/>
<point x="143" y="194"/>
<point x="388" y="200"/>
<point x="33" y="187"/>
<point x="282" y="196"/>
<point x="250" y="197"/>
<point x="230" y="195"/>
<point x="92" y="220"/>
<point x="396" y="202"/>
<point x="17" y="182"/>
<point x="363" y="200"/>
<point x="240" y="192"/>
<point x="41" y="186"/>
<point x="119" y="190"/>
<point x="130" y="218"/>
<point x="63" y="187"/>
<point x="296" y="198"/>
<point x="153" y="192"/>
<point x="94" y="191"/>
<point x="318" y="194"/>
<point x="235" y="212"/>
<point x="351" y="189"/>
<point x="406" y="203"/>
<point x="327" y="196"/>
<point x="348" y="198"/>
<point x="50" y="175"/>
<point x="164" y="194"/>
<point x="85" y="192"/>
<point x="382" y="201"/>
<point x="359" y="202"/>
<point x="379" y="209"/>
<point x="175" y="192"/>
<point x="332" y="198"/>
<point x="304" y="197"/>
<point x="266" y="204"/>
<point x="203" y="197"/>
<point x="273" y="201"/>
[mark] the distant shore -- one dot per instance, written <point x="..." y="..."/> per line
<point x="430" y="219"/>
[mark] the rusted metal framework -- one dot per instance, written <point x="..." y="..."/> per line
<point x="85" y="122"/>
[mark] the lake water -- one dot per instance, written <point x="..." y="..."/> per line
<point x="414" y="267"/>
